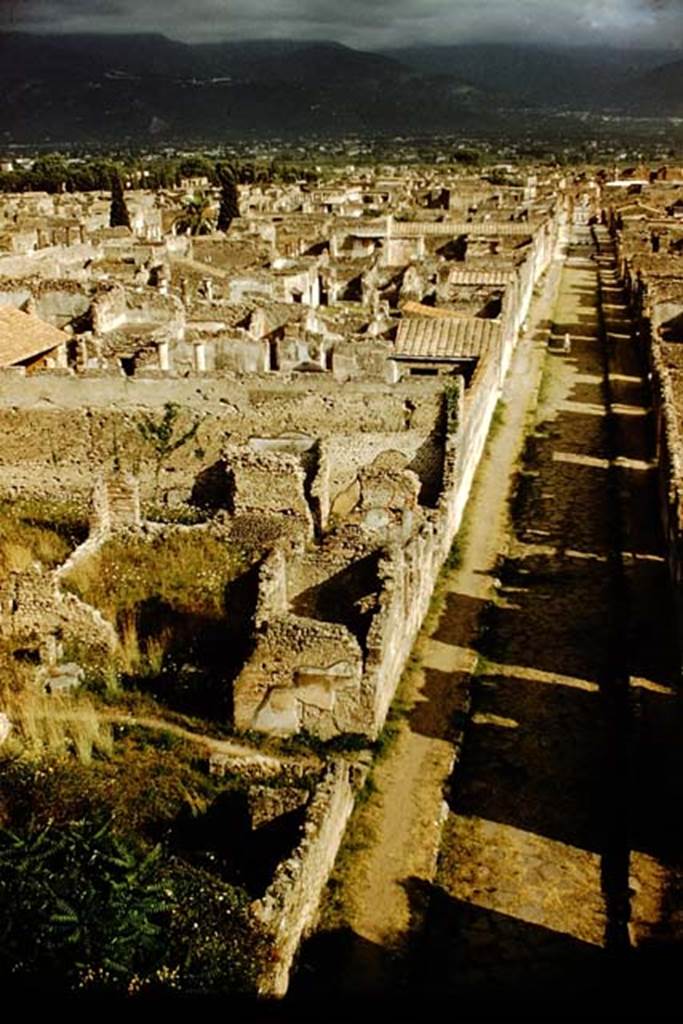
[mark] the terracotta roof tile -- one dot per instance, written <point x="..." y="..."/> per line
<point x="497" y="278"/>
<point x="446" y="338"/>
<point x="23" y="336"/>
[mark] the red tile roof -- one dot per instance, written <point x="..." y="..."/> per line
<point x="24" y="336"/>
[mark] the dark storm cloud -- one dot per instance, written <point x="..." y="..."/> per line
<point x="366" y="23"/>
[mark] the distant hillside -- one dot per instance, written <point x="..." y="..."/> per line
<point x="108" y="89"/>
<point x="659" y="90"/>
<point x="541" y="76"/>
<point x="103" y="88"/>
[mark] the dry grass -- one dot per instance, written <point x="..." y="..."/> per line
<point x="22" y="545"/>
<point x="48" y="725"/>
<point x="43" y="532"/>
<point x="142" y="659"/>
<point x="55" y="726"/>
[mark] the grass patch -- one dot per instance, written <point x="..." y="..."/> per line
<point x="182" y="630"/>
<point x="144" y="783"/>
<point x="395" y="720"/>
<point x="34" y="533"/>
<point x="59" y="725"/>
<point x="176" y="515"/>
<point x="56" y="726"/>
<point x="360" y="833"/>
<point x="551" y="380"/>
<point x="143" y="796"/>
<point x="497" y="420"/>
<point x="187" y="571"/>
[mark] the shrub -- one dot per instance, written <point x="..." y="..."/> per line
<point x="85" y="904"/>
<point x="79" y="903"/>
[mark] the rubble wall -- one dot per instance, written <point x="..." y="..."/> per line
<point x="54" y="446"/>
<point x="670" y="470"/>
<point x="289" y="908"/>
<point x="348" y="453"/>
<point x="56" y="302"/>
<point x="303" y="675"/>
<point x="409" y="574"/>
<point x="669" y="447"/>
<point x="332" y="677"/>
<point x="36" y="614"/>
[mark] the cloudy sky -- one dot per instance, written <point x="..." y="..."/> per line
<point x="364" y="23"/>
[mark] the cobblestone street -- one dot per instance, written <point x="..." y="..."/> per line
<point x="558" y="853"/>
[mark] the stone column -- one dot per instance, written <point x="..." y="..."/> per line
<point x="200" y="357"/>
<point x="164" y="355"/>
<point x="61" y="359"/>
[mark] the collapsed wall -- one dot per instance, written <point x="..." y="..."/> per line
<point x="336" y="625"/>
<point x="38" y="618"/>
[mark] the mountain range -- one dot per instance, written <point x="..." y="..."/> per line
<point x="111" y="88"/>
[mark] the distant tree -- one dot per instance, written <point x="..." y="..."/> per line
<point x="196" y="216"/>
<point x="467" y="156"/>
<point x="247" y="174"/>
<point x="49" y="174"/>
<point x="91" y="176"/>
<point x="118" y="213"/>
<point x="229" y="205"/>
<point x="163" y="174"/>
<point x="196" y="167"/>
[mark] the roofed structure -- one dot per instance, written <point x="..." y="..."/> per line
<point x="446" y="338"/>
<point x="445" y="228"/>
<point x="25" y="337"/>
<point x="495" y="278"/>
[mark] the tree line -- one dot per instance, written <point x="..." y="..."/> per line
<point x="54" y="173"/>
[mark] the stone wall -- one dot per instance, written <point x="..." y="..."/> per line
<point x="666" y="412"/>
<point x="35" y="615"/>
<point x="337" y="622"/>
<point x="54" y="445"/>
<point x="303" y="675"/>
<point x="270" y="483"/>
<point x="349" y="453"/>
<point x="289" y="907"/>
<point x="57" y="302"/>
<point x="669" y="454"/>
<point x="257" y="768"/>
<point x="272" y="597"/>
<point x="116" y="504"/>
<point x="54" y="262"/>
<point x="115" y="306"/>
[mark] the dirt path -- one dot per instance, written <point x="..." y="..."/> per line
<point x="382" y="900"/>
<point x="210" y="744"/>
<point x="519" y="896"/>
